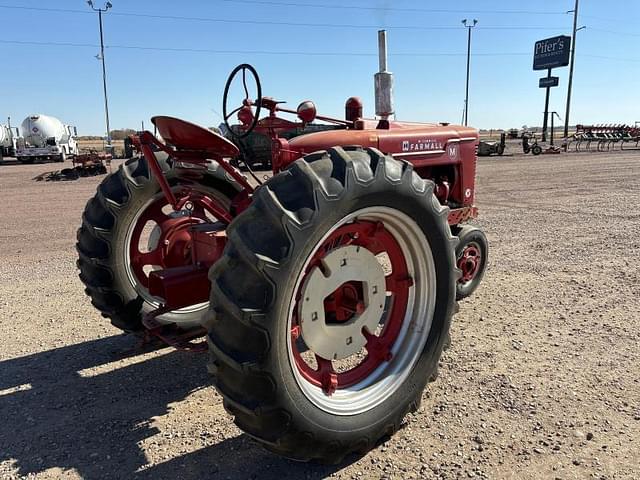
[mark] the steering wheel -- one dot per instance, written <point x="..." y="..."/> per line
<point x="247" y="102"/>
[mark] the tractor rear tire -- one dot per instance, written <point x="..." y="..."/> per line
<point x="102" y="243"/>
<point x="472" y="239"/>
<point x="257" y="291"/>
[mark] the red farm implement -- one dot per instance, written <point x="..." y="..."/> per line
<point x="326" y="291"/>
<point x="604" y="137"/>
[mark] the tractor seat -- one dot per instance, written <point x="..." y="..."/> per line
<point x="188" y="136"/>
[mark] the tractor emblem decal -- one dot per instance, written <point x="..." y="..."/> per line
<point x="452" y="151"/>
<point x="426" y="145"/>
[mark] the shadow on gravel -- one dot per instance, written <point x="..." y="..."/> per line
<point x="238" y="458"/>
<point x="92" y="424"/>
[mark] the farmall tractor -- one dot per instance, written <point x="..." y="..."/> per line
<point x="326" y="292"/>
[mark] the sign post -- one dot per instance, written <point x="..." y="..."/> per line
<point x="548" y="54"/>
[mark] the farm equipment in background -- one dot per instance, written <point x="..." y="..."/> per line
<point x="530" y="145"/>
<point x="604" y="137"/>
<point x="491" y="147"/>
<point x="89" y="164"/>
<point x="326" y="292"/>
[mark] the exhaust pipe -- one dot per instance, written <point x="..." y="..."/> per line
<point x="383" y="81"/>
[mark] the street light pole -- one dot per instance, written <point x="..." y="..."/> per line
<point x="100" y="11"/>
<point x="573" y="55"/>
<point x="466" y="97"/>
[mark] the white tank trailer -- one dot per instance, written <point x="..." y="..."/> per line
<point x="45" y="137"/>
<point x="8" y="138"/>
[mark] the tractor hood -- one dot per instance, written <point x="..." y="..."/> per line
<point x="403" y="140"/>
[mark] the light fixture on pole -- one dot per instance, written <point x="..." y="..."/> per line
<point x="100" y="11"/>
<point x="469" y="26"/>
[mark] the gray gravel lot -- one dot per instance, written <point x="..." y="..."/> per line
<point x="541" y="381"/>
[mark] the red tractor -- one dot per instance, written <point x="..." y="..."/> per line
<point x="326" y="292"/>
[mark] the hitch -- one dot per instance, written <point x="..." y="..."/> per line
<point x="180" y="287"/>
<point x="171" y="334"/>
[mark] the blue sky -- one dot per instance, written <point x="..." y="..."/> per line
<point x="429" y="64"/>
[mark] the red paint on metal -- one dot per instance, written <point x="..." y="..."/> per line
<point x="377" y="239"/>
<point x="469" y="263"/>
<point x="460" y="215"/>
<point x="185" y="135"/>
<point x="180" y="287"/>
<point x="174" y="246"/>
<point x="152" y="161"/>
<point x="446" y="151"/>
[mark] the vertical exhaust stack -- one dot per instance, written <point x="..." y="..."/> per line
<point x="383" y="81"/>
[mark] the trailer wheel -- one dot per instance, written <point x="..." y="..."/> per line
<point x="25" y="160"/>
<point x="122" y="238"/>
<point x="472" y="254"/>
<point x="332" y="303"/>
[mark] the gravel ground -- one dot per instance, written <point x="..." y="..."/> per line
<point x="541" y="380"/>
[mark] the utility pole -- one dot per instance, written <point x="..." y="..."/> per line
<point x="469" y="26"/>
<point x="573" y="56"/>
<point x="100" y="11"/>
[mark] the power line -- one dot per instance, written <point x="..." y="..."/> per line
<point x="257" y="52"/>
<point x="291" y="52"/>
<point x="389" y="9"/>
<point x="333" y="25"/>
<point x="613" y="32"/>
<point x="44" y="9"/>
<point x="617" y="59"/>
<point x="283" y="23"/>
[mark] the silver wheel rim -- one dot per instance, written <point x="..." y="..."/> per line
<point x="385" y="380"/>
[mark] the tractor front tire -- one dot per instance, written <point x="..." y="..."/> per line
<point x="103" y="243"/>
<point x="472" y="254"/>
<point x="329" y="218"/>
<point x="536" y="149"/>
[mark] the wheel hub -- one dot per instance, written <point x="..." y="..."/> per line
<point x="339" y="275"/>
<point x="170" y="241"/>
<point x="387" y="249"/>
<point x="469" y="262"/>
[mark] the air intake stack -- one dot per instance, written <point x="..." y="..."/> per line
<point x="383" y="81"/>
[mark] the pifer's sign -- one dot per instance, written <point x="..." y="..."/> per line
<point x="552" y="53"/>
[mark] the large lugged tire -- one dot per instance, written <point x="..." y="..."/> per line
<point x="103" y="241"/>
<point x="330" y="212"/>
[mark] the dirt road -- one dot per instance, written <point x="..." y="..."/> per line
<point x="542" y="379"/>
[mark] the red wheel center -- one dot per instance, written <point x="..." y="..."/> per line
<point x="168" y="237"/>
<point x="344" y="303"/>
<point x="347" y="301"/>
<point x="469" y="263"/>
